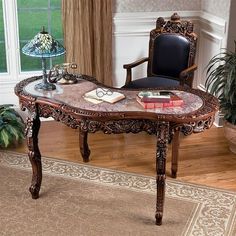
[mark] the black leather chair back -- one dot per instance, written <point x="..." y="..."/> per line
<point x="170" y="55"/>
<point x="172" y="49"/>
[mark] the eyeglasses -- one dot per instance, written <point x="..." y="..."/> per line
<point x="100" y="92"/>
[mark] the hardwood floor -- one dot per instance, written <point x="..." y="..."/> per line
<point x="204" y="157"/>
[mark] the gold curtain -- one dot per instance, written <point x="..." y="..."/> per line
<point x="87" y="26"/>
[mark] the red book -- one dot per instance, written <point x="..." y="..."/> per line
<point x="174" y="101"/>
<point x="154" y="96"/>
<point x="153" y="100"/>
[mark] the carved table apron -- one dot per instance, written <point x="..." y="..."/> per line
<point x="67" y="105"/>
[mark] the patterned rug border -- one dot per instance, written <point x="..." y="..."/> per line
<point x="214" y="215"/>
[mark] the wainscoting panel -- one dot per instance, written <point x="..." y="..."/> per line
<point x="209" y="45"/>
<point x="211" y="39"/>
<point x="126" y="50"/>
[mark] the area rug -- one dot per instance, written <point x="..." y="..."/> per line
<point x="77" y="199"/>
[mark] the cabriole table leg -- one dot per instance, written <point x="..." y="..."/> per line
<point x="32" y="130"/>
<point x="162" y="142"/>
<point x="84" y="149"/>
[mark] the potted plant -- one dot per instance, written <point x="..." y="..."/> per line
<point x="11" y="126"/>
<point x="221" y="82"/>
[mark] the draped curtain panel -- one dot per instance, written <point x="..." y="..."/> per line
<point x="87" y="26"/>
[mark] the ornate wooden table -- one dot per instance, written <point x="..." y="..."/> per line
<point x="67" y="105"/>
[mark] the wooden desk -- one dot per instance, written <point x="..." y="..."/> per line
<point x="67" y="105"/>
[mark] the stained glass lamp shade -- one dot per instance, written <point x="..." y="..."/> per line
<point x="43" y="45"/>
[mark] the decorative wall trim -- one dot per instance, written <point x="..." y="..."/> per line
<point x="140" y="23"/>
<point x="216" y="23"/>
<point x="133" y="23"/>
<point x="209" y="45"/>
<point x="212" y="37"/>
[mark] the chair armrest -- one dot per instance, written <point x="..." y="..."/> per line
<point x="136" y="63"/>
<point x="185" y="74"/>
<point x="128" y="68"/>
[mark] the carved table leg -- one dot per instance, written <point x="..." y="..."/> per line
<point x="175" y="154"/>
<point x="162" y="141"/>
<point x="84" y="149"/>
<point x="32" y="130"/>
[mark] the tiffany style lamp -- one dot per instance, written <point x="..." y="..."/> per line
<point x="43" y="45"/>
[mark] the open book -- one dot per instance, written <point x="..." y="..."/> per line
<point x="105" y="95"/>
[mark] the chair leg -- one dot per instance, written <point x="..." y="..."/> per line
<point x="175" y="154"/>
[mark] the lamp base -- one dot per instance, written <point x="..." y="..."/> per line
<point x="45" y="86"/>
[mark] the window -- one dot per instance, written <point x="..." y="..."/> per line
<point x="3" y="63"/>
<point x="32" y="16"/>
<point x="20" y="21"/>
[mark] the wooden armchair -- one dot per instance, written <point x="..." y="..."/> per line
<point x="172" y="48"/>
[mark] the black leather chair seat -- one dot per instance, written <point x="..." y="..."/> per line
<point x="152" y="82"/>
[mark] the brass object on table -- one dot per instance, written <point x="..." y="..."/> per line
<point x="59" y="74"/>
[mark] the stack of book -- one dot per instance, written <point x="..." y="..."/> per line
<point x="161" y="99"/>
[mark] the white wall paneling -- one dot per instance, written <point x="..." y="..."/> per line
<point x="212" y="38"/>
<point x="209" y="45"/>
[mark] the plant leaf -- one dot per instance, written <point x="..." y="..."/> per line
<point x="4" y="138"/>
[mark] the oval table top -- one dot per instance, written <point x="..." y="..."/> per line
<point x="197" y="104"/>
